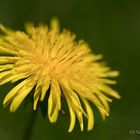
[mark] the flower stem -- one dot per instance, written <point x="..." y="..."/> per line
<point x="30" y="126"/>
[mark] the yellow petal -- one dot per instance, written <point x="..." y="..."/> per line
<point x="8" y="59"/>
<point x="29" y="28"/>
<point x="90" y="115"/>
<point x="77" y="107"/>
<point x="85" y="93"/>
<point x="54" y="116"/>
<point x="112" y="74"/>
<point x="72" y="96"/>
<point x="45" y="87"/>
<point x="54" y="103"/>
<point x="106" y="81"/>
<point x="100" y="106"/>
<point x="19" y="98"/>
<point x="109" y="91"/>
<point x="55" y="24"/>
<point x="73" y="99"/>
<point x="36" y="96"/>
<point x="80" y="118"/>
<point x="13" y="78"/>
<point x="5" y="73"/>
<point x="104" y="102"/>
<point x="71" y="110"/>
<point x="6" y="50"/>
<point x="4" y="29"/>
<point x="72" y="118"/>
<point x="12" y="93"/>
<point x="6" y="67"/>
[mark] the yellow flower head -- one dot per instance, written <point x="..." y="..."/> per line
<point x="45" y="59"/>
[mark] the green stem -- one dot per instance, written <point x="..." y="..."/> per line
<point x="30" y="126"/>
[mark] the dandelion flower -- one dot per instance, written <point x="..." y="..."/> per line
<point x="46" y="59"/>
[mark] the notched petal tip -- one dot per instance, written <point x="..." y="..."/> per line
<point x="29" y="26"/>
<point x="113" y="74"/>
<point x="72" y="119"/>
<point x="55" y="24"/>
<point x="90" y="115"/>
<point x="4" y="29"/>
<point x="115" y="94"/>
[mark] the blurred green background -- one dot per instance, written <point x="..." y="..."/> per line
<point x="111" y="27"/>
